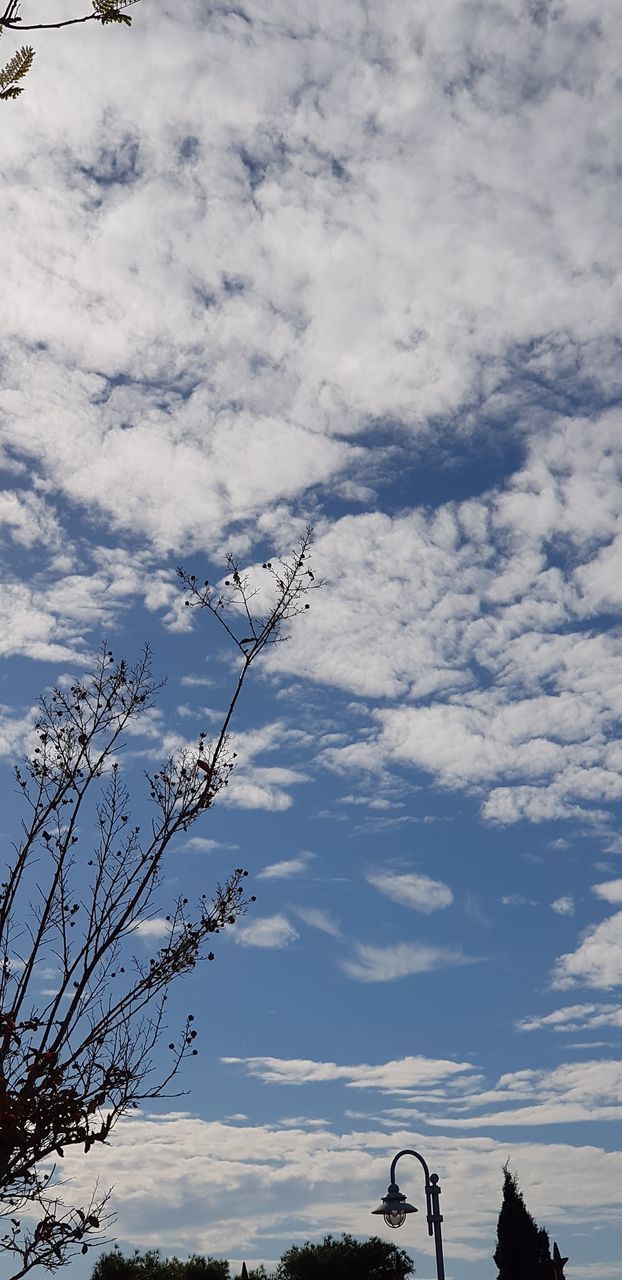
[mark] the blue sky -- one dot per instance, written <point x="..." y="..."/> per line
<point x="355" y="266"/>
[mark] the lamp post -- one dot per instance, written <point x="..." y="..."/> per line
<point x="394" y="1206"/>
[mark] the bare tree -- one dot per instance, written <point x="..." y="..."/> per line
<point x="76" y="1059"/>
<point x="103" y="11"/>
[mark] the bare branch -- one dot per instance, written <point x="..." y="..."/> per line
<point x="73" y="1062"/>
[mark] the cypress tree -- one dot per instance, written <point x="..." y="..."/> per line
<point x="523" y="1251"/>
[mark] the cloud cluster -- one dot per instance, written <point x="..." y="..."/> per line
<point x="453" y="1095"/>
<point x="571" y="1093"/>
<point x="479" y="625"/>
<point x="282" y="284"/>
<point x="342" y="229"/>
<point x="300" y="1181"/>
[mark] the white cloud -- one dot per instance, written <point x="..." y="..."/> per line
<point x="385" y="964"/>
<point x="47" y="617"/>
<point x="563" y="906"/>
<point x="302" y="1122"/>
<point x="253" y="785"/>
<point x="287" y="868"/>
<point x="389" y="1077"/>
<point x="571" y="1093"/>
<point x="204" y="844"/>
<point x="412" y="889"/>
<point x="29" y="519"/>
<point x="610" y="890"/>
<point x="269" y="932"/>
<point x="157" y="927"/>
<point x="244" y="793"/>
<point x="597" y="961"/>
<point x="575" y="1017"/>
<point x="16" y="731"/>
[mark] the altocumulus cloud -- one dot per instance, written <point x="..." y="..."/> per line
<point x="491" y="681"/>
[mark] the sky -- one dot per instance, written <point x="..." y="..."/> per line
<point x="356" y="266"/>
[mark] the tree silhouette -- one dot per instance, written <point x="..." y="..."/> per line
<point x="523" y="1251"/>
<point x="78" y="1054"/>
<point x="150" y="1266"/>
<point x="104" y="11"/>
<point x="345" y="1259"/>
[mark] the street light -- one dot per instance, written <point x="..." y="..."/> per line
<point x="394" y="1206"/>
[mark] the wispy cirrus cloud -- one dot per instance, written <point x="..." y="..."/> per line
<point x="318" y="918"/>
<point x="411" y="889"/>
<point x="400" y="960"/>
<point x="287" y="867"/>
<point x="388" y="1077"/>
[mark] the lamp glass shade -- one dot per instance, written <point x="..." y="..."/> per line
<point x="395" y="1218"/>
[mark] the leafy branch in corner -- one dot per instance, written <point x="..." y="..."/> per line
<point x="104" y="11"/>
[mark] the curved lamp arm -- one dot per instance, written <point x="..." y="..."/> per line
<point x="428" y="1190"/>
<point x="394" y="1203"/>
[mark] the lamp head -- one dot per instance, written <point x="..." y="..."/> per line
<point x="394" y="1207"/>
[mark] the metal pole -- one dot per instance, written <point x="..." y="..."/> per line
<point x="435" y="1219"/>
